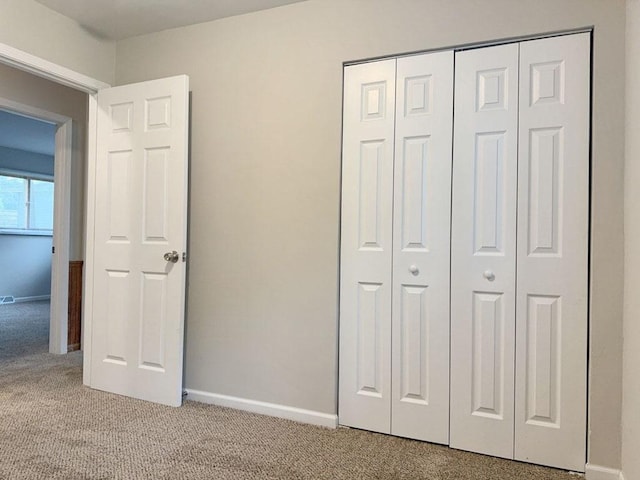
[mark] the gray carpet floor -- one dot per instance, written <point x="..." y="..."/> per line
<point x="52" y="427"/>
<point x="24" y="329"/>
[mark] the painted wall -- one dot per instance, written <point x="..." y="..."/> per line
<point x="631" y="363"/>
<point x="25" y="260"/>
<point x="266" y="128"/>
<point x="37" y="92"/>
<point x="38" y="30"/>
<point x="20" y="160"/>
<point x="25" y="265"/>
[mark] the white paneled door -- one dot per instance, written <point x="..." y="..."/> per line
<point x="394" y="299"/>
<point x="140" y="235"/>
<point x="365" y="283"/>
<point x="552" y="289"/>
<point x="483" y="250"/>
<point x="421" y="219"/>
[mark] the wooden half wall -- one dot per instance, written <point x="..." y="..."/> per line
<point x="75" y="305"/>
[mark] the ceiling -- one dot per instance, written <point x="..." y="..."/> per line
<point x="25" y="133"/>
<point x="118" y="19"/>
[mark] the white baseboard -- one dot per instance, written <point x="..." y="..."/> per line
<point x="32" y="299"/>
<point x="596" y="472"/>
<point x="272" y="409"/>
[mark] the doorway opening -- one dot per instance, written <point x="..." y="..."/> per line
<point x="35" y="215"/>
<point x="27" y="148"/>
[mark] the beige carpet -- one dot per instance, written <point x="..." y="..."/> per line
<point x="51" y="427"/>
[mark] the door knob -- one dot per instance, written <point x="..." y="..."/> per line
<point x="414" y="269"/>
<point x="489" y="275"/>
<point x="172" y="257"/>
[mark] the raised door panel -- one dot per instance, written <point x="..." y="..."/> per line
<point x="489" y="232"/>
<point x="366" y="246"/>
<point x="414" y="354"/>
<point x="153" y="325"/>
<point x="487" y="352"/>
<point x="483" y="248"/>
<point x="141" y="206"/>
<point x="544" y="351"/>
<point x="118" y="293"/>
<point x="421" y="242"/>
<point x="156" y="196"/>
<point x="369" y="348"/>
<point x="553" y="183"/>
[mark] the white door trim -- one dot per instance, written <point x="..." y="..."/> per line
<point x="40" y="67"/>
<point x="58" y="330"/>
<point x="89" y="228"/>
<point x="61" y="220"/>
<point x="44" y="68"/>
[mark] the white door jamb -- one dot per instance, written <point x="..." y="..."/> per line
<point x="89" y="223"/>
<point x="58" y="330"/>
<point x="61" y="216"/>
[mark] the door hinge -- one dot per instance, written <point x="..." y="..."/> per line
<point x="53" y="249"/>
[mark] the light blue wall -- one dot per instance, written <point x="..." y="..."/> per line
<point x="25" y="260"/>
<point x="20" y="160"/>
<point x="25" y="265"/>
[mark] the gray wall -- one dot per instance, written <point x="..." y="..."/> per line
<point x="20" y="160"/>
<point x="33" y="28"/>
<point x="37" y="92"/>
<point x="25" y="265"/>
<point x="264" y="248"/>
<point x="631" y="399"/>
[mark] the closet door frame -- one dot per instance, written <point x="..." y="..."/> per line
<point x="460" y="48"/>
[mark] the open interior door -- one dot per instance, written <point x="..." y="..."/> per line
<point x="139" y="241"/>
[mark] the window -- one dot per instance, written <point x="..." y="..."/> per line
<point x="26" y="204"/>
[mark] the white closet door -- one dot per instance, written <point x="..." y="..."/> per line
<point x="366" y="246"/>
<point x="483" y="250"/>
<point x="422" y="198"/>
<point x="553" y="182"/>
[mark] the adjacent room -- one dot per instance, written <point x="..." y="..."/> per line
<point x="26" y="229"/>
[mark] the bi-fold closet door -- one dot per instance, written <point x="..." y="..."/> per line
<point x="519" y="251"/>
<point x="396" y="196"/>
<point x="513" y="271"/>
